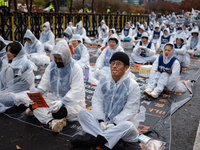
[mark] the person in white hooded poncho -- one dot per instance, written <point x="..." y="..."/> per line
<point x="180" y="51"/>
<point x="102" y="67"/>
<point x="47" y="38"/>
<point x="68" y="34"/>
<point x="115" y="106"/>
<point x="100" y="27"/>
<point x="2" y="51"/>
<point x="152" y="17"/>
<point x="81" y="55"/>
<point x="173" y="18"/>
<point x="105" y="42"/>
<point x="164" y="39"/>
<point x="138" y="35"/>
<point x="111" y="32"/>
<point x="103" y="34"/>
<point x="193" y="43"/>
<point x="165" y="74"/>
<point x="35" y="50"/>
<point x="178" y="32"/>
<point x="71" y="26"/>
<point x="144" y="51"/>
<point x="172" y="29"/>
<point x="156" y="34"/>
<point x="16" y="78"/>
<point x="126" y="32"/>
<point x="64" y="79"/>
<point x="81" y="31"/>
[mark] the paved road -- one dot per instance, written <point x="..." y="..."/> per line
<point x="12" y="132"/>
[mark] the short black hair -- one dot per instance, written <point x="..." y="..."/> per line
<point x="15" y="47"/>
<point x="112" y="31"/>
<point x="113" y="40"/>
<point x="181" y="40"/>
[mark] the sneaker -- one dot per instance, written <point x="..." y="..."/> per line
<point x="28" y="112"/>
<point x="57" y="125"/>
<point x="154" y="94"/>
<point x="147" y="91"/>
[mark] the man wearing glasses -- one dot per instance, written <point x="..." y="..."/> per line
<point x="115" y="105"/>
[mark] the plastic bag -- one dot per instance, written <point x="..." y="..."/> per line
<point x="151" y="144"/>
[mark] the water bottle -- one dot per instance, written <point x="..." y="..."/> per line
<point x="86" y="72"/>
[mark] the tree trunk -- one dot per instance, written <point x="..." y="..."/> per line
<point x="31" y="5"/>
<point x="82" y="5"/>
<point x="71" y="6"/>
<point x="56" y="5"/>
<point x="15" y="5"/>
<point x="27" y="6"/>
<point x="92" y="6"/>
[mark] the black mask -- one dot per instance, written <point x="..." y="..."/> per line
<point x="59" y="64"/>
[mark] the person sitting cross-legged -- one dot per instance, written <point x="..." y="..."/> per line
<point x="115" y="105"/>
<point x="165" y="74"/>
<point x="64" y="85"/>
<point x="144" y="51"/>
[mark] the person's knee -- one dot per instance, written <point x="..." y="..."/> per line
<point x="62" y="113"/>
<point x="83" y="114"/>
<point x="133" y="55"/>
<point x="127" y="125"/>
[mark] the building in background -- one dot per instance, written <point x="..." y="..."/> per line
<point x="177" y="1"/>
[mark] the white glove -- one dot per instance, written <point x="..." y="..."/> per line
<point x="109" y="126"/>
<point x="140" y="47"/>
<point x="28" y="56"/>
<point x="103" y="125"/>
<point x="97" y="72"/>
<point x="56" y="105"/>
<point x="146" y="49"/>
<point x="190" y="51"/>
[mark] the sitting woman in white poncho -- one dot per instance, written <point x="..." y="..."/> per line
<point x="16" y="78"/>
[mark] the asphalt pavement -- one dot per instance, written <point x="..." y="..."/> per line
<point x="15" y="134"/>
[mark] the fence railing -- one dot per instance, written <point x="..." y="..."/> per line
<point x="14" y="25"/>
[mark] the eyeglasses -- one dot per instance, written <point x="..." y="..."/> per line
<point x="118" y="63"/>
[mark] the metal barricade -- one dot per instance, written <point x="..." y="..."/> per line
<point x="14" y="25"/>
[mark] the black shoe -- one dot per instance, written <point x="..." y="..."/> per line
<point x="136" y="145"/>
<point x="81" y="140"/>
<point x="119" y="145"/>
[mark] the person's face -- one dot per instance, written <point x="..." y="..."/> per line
<point x="177" y="24"/>
<point x="58" y="59"/>
<point x="110" y="33"/>
<point x="178" y="41"/>
<point x="194" y="34"/>
<point x="118" y="69"/>
<point x="163" y="27"/>
<point x="130" y="21"/>
<point x="75" y="43"/>
<point x="112" y="44"/>
<point x="127" y="26"/>
<point x="167" y="50"/>
<point x="10" y="55"/>
<point x="165" y="32"/>
<point x="145" y="25"/>
<point x="102" y="23"/>
<point x="171" y="25"/>
<point x="144" y="40"/>
<point x="29" y="41"/>
<point x="157" y="29"/>
<point x="184" y="27"/>
<point x="67" y="35"/>
<point x="140" y="30"/>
